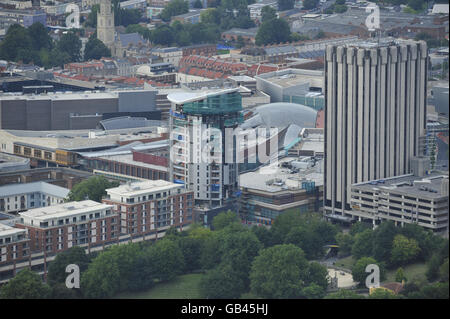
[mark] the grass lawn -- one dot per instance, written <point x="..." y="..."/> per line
<point x="182" y="287"/>
<point x="411" y="272"/>
<point x="346" y="262"/>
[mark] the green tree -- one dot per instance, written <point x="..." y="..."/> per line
<point x="359" y="227"/>
<point x="96" y="49"/>
<point x="268" y="13"/>
<point x="224" y="219"/>
<point x="264" y="235"/>
<point x="57" y="57"/>
<point x="129" y="16"/>
<point x="57" y="268"/>
<point x="295" y="37"/>
<point x="175" y="7"/>
<point x="133" y="28"/>
<point x="404" y="250"/>
<point x="318" y="275"/>
<point x="112" y="271"/>
<point x="198" y="4"/>
<point x="70" y="43"/>
<point x="443" y="271"/>
<point x="417" y="5"/>
<point x="102" y="278"/>
<point x="310" y="4"/>
<point x="273" y="31"/>
<point x="165" y="260"/>
<point x="191" y="248"/>
<point x="383" y="237"/>
<point x="91" y="20"/>
<point x="93" y="188"/>
<point x="279" y="272"/>
<point x="222" y="282"/>
<point x="238" y="249"/>
<point x="344" y="294"/>
<point x="437" y="290"/>
<point x="210" y="15"/>
<point x="309" y="241"/>
<point x="40" y="39"/>
<point x="16" y="39"/>
<point x="285" y="4"/>
<point x="25" y="285"/>
<point x="60" y="291"/>
<point x="363" y="244"/>
<point x="163" y="35"/>
<point x="359" y="273"/>
<point x="345" y="243"/>
<point x="313" y="291"/>
<point x="340" y="8"/>
<point x="400" y="275"/>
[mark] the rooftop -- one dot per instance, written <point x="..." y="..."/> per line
<point x="292" y="77"/>
<point x="128" y="159"/>
<point x="428" y="186"/>
<point x="8" y="231"/>
<point x="285" y="175"/>
<point x="141" y="188"/>
<point x="64" y="210"/>
<point x="36" y="187"/>
<point x="186" y="97"/>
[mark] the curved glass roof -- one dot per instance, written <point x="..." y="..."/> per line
<point x="281" y="115"/>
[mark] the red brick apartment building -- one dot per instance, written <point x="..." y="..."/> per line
<point x="151" y="206"/>
<point x="14" y="244"/>
<point x="56" y="228"/>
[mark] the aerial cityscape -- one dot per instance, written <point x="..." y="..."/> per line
<point x="224" y="149"/>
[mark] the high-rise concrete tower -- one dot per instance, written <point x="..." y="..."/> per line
<point x="375" y="115"/>
<point x="105" y="24"/>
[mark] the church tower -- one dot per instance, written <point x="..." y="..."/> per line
<point x="105" y="24"/>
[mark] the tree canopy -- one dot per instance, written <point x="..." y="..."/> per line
<point x="93" y="188"/>
<point x="25" y="285"/>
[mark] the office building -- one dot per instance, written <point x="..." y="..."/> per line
<point x="375" y="115"/>
<point x="147" y="207"/>
<point x="57" y="228"/>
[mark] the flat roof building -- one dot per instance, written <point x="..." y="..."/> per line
<point x="11" y="163"/>
<point x="57" y="228"/>
<point x="20" y="197"/>
<point x="405" y="199"/>
<point x="14" y="244"/>
<point x="291" y="183"/>
<point x="147" y="207"/>
<point x="281" y="85"/>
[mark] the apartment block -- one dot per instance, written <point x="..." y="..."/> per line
<point x="57" y="228"/>
<point x="20" y="197"/>
<point x="147" y="207"/>
<point x="14" y="244"/>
